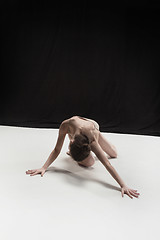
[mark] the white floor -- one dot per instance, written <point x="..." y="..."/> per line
<point x="73" y="202"/>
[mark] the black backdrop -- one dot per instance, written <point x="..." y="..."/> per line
<point x="62" y="59"/>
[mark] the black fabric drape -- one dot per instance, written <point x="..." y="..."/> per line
<point x="88" y="60"/>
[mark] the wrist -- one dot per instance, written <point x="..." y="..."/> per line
<point x="44" y="168"/>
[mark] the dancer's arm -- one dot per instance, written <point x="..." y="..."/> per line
<point x="96" y="148"/>
<point x="107" y="147"/>
<point x="56" y="151"/>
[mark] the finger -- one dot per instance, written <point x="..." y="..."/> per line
<point x="42" y="174"/>
<point x="34" y="174"/>
<point x="134" y="194"/>
<point x="122" y="191"/>
<point x="129" y="194"/>
<point x="31" y="171"/>
<point x="28" y="172"/>
<point x="133" y="190"/>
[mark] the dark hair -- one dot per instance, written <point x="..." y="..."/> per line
<point x="80" y="148"/>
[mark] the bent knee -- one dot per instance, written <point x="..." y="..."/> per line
<point x="88" y="162"/>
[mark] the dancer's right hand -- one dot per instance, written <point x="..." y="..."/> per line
<point x="36" y="171"/>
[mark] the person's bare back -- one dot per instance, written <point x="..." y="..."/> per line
<point x="78" y="125"/>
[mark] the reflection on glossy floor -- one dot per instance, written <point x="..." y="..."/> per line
<point x="73" y="202"/>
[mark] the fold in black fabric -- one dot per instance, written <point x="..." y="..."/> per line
<point x="93" y="61"/>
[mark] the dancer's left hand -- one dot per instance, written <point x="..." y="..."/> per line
<point x="129" y="192"/>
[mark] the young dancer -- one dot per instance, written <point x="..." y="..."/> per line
<point x="85" y="138"/>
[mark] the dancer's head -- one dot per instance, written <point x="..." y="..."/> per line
<point x="80" y="148"/>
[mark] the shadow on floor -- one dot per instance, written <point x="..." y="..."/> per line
<point x="80" y="180"/>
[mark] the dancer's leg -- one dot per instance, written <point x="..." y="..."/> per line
<point x="87" y="162"/>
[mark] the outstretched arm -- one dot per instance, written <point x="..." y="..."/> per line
<point x="61" y="136"/>
<point x="107" y="147"/>
<point x="96" y="148"/>
<point x="54" y="154"/>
